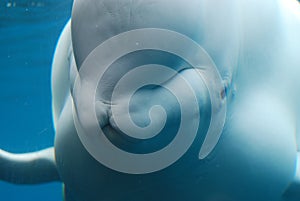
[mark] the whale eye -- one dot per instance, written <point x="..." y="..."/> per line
<point x="138" y="97"/>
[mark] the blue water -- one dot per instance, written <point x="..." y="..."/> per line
<point x="29" y="31"/>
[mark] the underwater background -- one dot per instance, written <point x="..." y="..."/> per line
<point x="29" y="30"/>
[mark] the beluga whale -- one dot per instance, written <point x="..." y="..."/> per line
<point x="173" y="100"/>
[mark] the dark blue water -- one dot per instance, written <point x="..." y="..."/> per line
<point x="29" y="30"/>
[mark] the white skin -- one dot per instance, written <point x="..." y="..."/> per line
<point x="255" y="46"/>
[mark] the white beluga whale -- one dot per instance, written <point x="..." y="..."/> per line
<point x="173" y="100"/>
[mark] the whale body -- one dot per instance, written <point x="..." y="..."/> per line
<point x="254" y="46"/>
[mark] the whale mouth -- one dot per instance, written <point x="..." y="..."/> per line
<point x="150" y="119"/>
<point x="136" y="84"/>
<point x="134" y="69"/>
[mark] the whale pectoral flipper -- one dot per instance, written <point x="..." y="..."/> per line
<point x="29" y="168"/>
